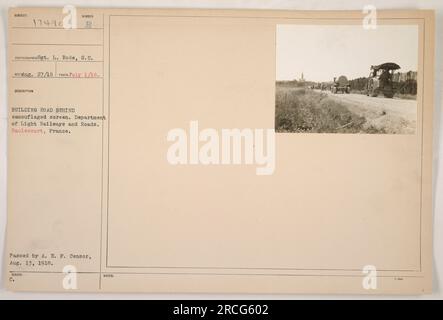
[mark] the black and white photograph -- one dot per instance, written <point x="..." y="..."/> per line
<point x="346" y="79"/>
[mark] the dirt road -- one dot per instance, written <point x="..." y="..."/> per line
<point x="390" y="115"/>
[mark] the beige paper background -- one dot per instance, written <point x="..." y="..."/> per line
<point x="334" y="204"/>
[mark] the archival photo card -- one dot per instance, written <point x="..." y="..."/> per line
<point x="166" y="150"/>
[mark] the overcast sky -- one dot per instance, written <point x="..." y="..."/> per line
<point x="328" y="51"/>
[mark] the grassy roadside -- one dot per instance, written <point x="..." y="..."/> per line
<point x="301" y="110"/>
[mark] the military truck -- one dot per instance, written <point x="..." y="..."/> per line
<point x="380" y="80"/>
<point x="341" y="85"/>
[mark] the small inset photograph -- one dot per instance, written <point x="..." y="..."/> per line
<point x="346" y="79"/>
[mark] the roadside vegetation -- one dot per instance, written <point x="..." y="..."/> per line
<point x="301" y="110"/>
